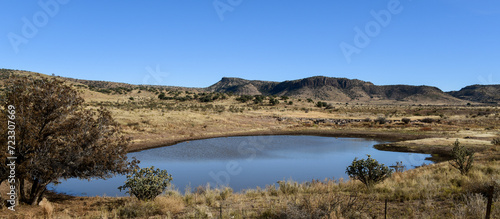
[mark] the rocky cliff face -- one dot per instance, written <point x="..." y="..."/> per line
<point x="333" y="89"/>
<point x="479" y="93"/>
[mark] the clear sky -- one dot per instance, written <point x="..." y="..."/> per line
<point x="443" y="43"/>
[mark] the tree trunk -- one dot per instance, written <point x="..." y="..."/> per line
<point x="37" y="192"/>
<point x="22" y="193"/>
<point x="34" y="186"/>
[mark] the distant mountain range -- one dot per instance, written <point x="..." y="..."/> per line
<point x="479" y="93"/>
<point x="345" y="90"/>
<point x="327" y="89"/>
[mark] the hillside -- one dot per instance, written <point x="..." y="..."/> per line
<point x="318" y="87"/>
<point x="335" y="89"/>
<point x="479" y="93"/>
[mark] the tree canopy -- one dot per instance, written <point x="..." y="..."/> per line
<point x="58" y="138"/>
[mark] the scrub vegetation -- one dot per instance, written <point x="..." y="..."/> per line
<point x="456" y="186"/>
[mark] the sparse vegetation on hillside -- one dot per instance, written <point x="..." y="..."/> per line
<point x="433" y="191"/>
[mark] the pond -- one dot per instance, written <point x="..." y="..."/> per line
<point x="248" y="162"/>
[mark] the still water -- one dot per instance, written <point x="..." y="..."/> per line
<point x="248" y="162"/>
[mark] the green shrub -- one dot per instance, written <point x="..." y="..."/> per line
<point x="321" y="104"/>
<point x="273" y="101"/>
<point x="462" y="158"/>
<point x="406" y="120"/>
<point x="380" y="120"/>
<point x="495" y="141"/>
<point x="428" y="120"/>
<point x="244" y="98"/>
<point x="368" y="171"/>
<point x="147" y="183"/>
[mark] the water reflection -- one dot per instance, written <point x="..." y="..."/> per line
<point x="248" y="162"/>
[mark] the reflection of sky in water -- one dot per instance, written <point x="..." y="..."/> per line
<point x="261" y="160"/>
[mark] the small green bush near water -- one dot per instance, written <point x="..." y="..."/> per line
<point x="368" y="171"/>
<point x="147" y="183"/>
<point x="462" y="158"/>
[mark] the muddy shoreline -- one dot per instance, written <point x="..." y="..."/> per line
<point x="378" y="135"/>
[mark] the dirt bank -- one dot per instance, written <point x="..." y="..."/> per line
<point x="373" y="134"/>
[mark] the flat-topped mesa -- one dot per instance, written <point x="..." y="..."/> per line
<point x="333" y="89"/>
<point x="479" y="93"/>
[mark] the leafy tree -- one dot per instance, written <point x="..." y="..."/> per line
<point x="57" y="138"/>
<point x="147" y="183"/>
<point x="463" y="158"/>
<point x="368" y="171"/>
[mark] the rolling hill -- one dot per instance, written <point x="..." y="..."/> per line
<point x="479" y="93"/>
<point x="318" y="87"/>
<point x="334" y="89"/>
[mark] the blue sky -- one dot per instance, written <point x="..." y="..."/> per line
<point x="443" y="43"/>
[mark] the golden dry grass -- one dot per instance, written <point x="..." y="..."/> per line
<point x="434" y="191"/>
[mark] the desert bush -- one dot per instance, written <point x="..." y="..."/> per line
<point x="258" y="99"/>
<point x="462" y="158"/>
<point x="321" y="104"/>
<point x="406" y="120"/>
<point x="380" y="120"/>
<point x="147" y="183"/>
<point x="273" y="101"/>
<point x="428" y="120"/>
<point x="368" y="171"/>
<point x="496" y="141"/>
<point x="244" y="98"/>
